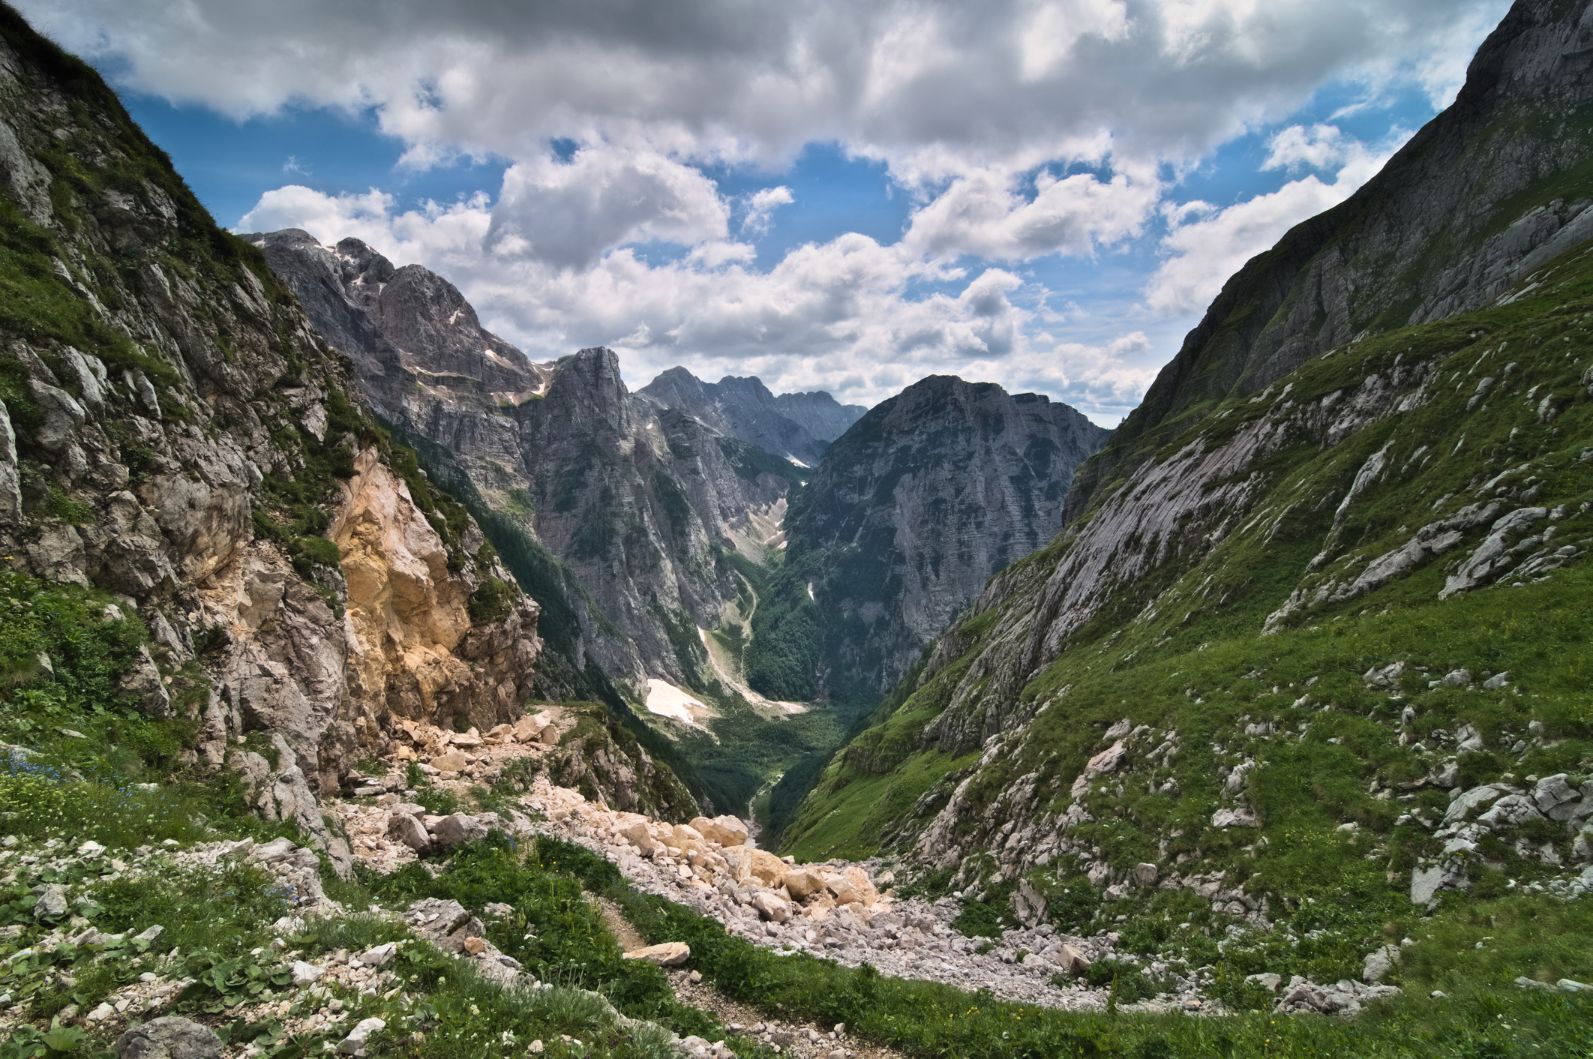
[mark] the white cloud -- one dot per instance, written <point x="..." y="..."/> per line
<point x="841" y="315"/>
<point x="568" y="213"/>
<point x="1205" y="245"/>
<point x="761" y="205"/>
<point x="1019" y="128"/>
<point x="931" y="88"/>
<point x="984" y="214"/>
<point x="1313" y="146"/>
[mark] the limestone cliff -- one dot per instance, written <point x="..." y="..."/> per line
<point x="175" y="434"/>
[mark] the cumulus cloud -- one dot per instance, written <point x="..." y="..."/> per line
<point x="841" y="315"/>
<point x="1017" y="129"/>
<point x="986" y="215"/>
<point x="761" y="205"/>
<point x="568" y="213"/>
<point x="933" y="89"/>
<point x="1205" y="245"/>
<point x="1314" y="146"/>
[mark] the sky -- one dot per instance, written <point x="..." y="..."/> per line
<point x="830" y="194"/>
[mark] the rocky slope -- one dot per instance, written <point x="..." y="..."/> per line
<point x="905" y="519"/>
<point x="175" y="441"/>
<point x="637" y="503"/>
<point x="797" y="426"/>
<point x="1321" y="606"/>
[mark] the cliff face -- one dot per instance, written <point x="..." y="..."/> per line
<point x="174" y="434"/>
<point x="798" y="426"/>
<point x="1493" y="188"/>
<point x="1329" y="578"/>
<point x="912" y="509"/>
<point x="638" y="503"/>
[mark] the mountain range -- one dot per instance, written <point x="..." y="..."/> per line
<point x="1270" y="704"/>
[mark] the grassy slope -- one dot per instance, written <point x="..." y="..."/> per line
<point x="1186" y="654"/>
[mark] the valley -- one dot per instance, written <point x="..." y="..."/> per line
<point x="371" y="685"/>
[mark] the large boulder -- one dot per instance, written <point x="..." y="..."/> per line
<point x="408" y="830"/>
<point x="457" y="830"/>
<point x="852" y="887"/>
<point x="725" y="830"/>
<point x="683" y="838"/>
<point x="639" y="835"/>
<point x="771" y="906"/>
<point x="766" y="867"/>
<point x="803" y="883"/>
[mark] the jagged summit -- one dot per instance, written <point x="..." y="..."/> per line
<point x="798" y="426"/>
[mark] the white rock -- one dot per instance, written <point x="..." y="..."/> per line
<point x="305" y="973"/>
<point x="355" y="1042"/>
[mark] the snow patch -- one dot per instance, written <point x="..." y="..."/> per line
<point x="792" y="459"/>
<point x="666" y="700"/>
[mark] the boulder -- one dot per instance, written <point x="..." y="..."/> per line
<point x="1379" y="962"/>
<point x="169" y="1038"/>
<point x="444" y="923"/>
<point x="1426" y="882"/>
<point x="771" y="906"/>
<point x="725" y="830"/>
<point x="458" y="830"/>
<point x="51" y="904"/>
<point x="668" y="954"/>
<point x="408" y="830"/>
<point x="683" y="838"/>
<point x="1553" y="794"/>
<point x="1467" y="802"/>
<point x="766" y="867"/>
<point x="852" y="886"/>
<point x="803" y="883"/>
<point x="1223" y="818"/>
<point x="1072" y="960"/>
<point x="359" y="1037"/>
<point x="453" y="761"/>
<point x="641" y="837"/>
<point x="1511" y="811"/>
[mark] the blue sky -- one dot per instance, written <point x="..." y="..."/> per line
<point x="1043" y="193"/>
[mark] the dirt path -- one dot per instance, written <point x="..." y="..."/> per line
<point x="805" y="1040"/>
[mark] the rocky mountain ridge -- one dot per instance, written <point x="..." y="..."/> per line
<point x="637" y="503"/>
<point x="798" y="426"/>
<point x="905" y="518"/>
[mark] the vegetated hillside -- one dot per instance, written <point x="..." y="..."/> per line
<point x="797" y="426"/>
<point x="1313" y="658"/>
<point x="636" y="505"/>
<point x="213" y="557"/>
<point x="904" y="520"/>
